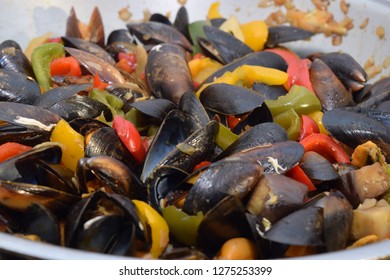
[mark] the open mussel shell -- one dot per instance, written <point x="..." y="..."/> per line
<point x="95" y="29"/>
<point x="353" y="129"/>
<point x="21" y="167"/>
<point x="175" y="128"/>
<point x="261" y="134"/>
<point x="165" y="186"/>
<point x="194" y="149"/>
<point x="167" y="72"/>
<point x="190" y="152"/>
<point x="17" y="87"/>
<point x="110" y="172"/>
<point x="323" y="222"/>
<point x="155" y="33"/>
<point x="227" y="177"/>
<point x="105" y="223"/>
<point x="222" y="46"/>
<point x="284" y="33"/>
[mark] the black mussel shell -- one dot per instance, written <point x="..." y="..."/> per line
<point x="167" y="72"/>
<point x="190" y="105"/>
<point x="263" y="133"/>
<point x="277" y="157"/>
<point x="228" y="99"/>
<point x="17" y="87"/>
<point x="155" y="33"/>
<point x="285" y="33"/>
<point x="227" y="177"/>
<point x="40" y="221"/>
<point x="222" y="45"/>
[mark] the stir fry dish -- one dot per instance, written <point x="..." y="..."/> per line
<point x="207" y="139"/>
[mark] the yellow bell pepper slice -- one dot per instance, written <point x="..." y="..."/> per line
<point x="214" y="11"/>
<point x="247" y="75"/>
<point x="317" y="117"/>
<point x="159" y="227"/>
<point x="232" y="26"/>
<point x="71" y="142"/>
<point x="255" y="34"/>
<point x="202" y="68"/>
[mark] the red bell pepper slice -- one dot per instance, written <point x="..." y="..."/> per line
<point x="299" y="175"/>
<point x="65" y="66"/>
<point x="325" y="146"/>
<point x="127" y="62"/>
<point x="98" y="83"/>
<point x="202" y="164"/>
<point x="11" y="149"/>
<point x="297" y="70"/>
<point x="232" y="121"/>
<point x="130" y="136"/>
<point x="308" y="126"/>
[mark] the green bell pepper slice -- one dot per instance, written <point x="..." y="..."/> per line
<point x="41" y="59"/>
<point x="299" y="98"/>
<point x="182" y="226"/>
<point x="291" y="122"/>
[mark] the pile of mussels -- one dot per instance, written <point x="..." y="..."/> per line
<point x="282" y="155"/>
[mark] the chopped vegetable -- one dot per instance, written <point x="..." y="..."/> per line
<point x="157" y="225"/>
<point x="298" y="174"/>
<point x="130" y="136"/>
<point x="11" y="149"/>
<point x="65" y="66"/>
<point x="371" y="217"/>
<point x="299" y="98"/>
<point x="255" y="34"/>
<point x="325" y="146"/>
<point x="182" y="226"/>
<point x="308" y="126"/>
<point x="72" y="144"/>
<point x="41" y="59"/>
